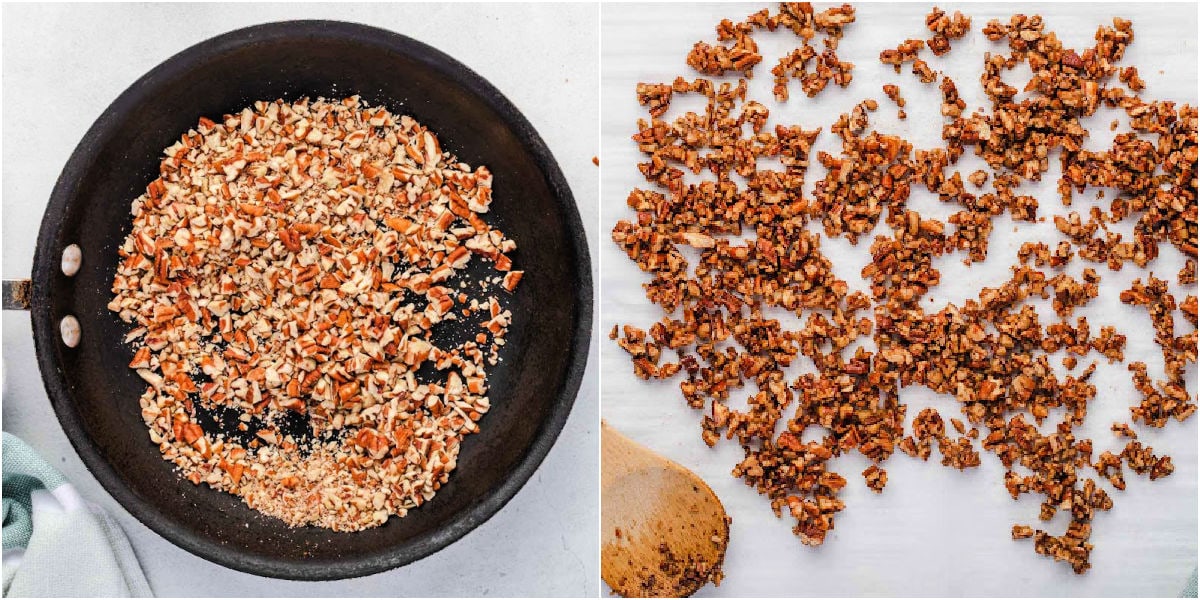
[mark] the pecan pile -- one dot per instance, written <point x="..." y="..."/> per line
<point x="287" y="274"/>
<point x="759" y="253"/>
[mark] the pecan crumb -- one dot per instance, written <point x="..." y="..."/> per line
<point x="287" y="269"/>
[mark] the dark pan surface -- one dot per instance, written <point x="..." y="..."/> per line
<point x="96" y="396"/>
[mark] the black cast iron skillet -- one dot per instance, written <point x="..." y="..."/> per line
<point x="96" y="396"/>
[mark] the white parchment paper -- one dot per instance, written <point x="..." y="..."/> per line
<point x="934" y="531"/>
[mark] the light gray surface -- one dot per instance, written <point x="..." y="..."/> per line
<point x="63" y="64"/>
<point x="933" y="531"/>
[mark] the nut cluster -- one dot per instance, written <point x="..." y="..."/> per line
<point x="293" y="263"/>
<point x="945" y="28"/>
<point x="737" y="51"/>
<point x="758" y="254"/>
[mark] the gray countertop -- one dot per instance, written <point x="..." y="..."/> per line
<point x="63" y="64"/>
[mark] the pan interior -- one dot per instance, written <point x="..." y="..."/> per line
<point x="96" y="395"/>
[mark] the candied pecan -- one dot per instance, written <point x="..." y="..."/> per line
<point x="1187" y="275"/>
<point x="655" y="96"/>
<point x="945" y="29"/>
<point x="905" y="52"/>
<point x="717" y="59"/>
<point x="925" y="74"/>
<point x="1143" y="460"/>
<point x="1123" y="429"/>
<point x="876" y="478"/>
<point x="758" y="252"/>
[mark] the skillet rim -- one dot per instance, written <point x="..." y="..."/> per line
<point x="46" y="338"/>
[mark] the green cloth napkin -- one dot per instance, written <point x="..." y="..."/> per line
<point x="55" y="542"/>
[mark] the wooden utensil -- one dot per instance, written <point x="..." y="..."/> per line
<point x="663" y="530"/>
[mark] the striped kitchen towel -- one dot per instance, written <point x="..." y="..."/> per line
<point x="55" y="542"/>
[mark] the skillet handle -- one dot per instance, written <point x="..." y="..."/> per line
<point x="17" y="294"/>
